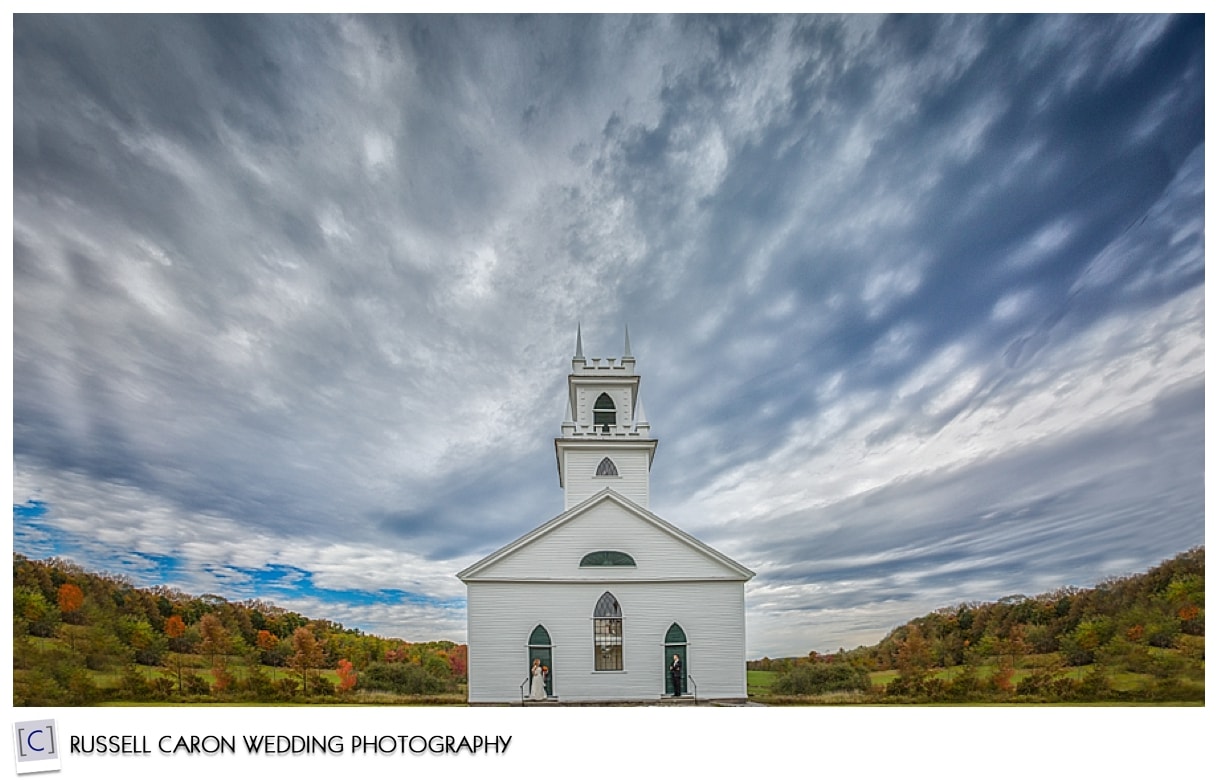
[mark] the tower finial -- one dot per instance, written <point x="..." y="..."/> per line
<point x="579" y="341"/>
<point x="627" y="353"/>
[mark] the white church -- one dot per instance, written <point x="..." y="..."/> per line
<point x="607" y="592"/>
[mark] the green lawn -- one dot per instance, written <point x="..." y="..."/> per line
<point x="760" y="683"/>
<point x="197" y="665"/>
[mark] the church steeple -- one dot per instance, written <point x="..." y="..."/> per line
<point x="604" y="423"/>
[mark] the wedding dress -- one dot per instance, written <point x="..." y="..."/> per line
<point x="537" y="690"/>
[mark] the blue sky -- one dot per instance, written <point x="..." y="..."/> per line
<point x="918" y="302"/>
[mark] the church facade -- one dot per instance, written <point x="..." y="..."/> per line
<point x="606" y="593"/>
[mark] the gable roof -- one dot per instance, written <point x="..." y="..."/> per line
<point x="607" y="495"/>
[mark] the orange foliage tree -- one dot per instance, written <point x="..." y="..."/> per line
<point x="309" y="655"/>
<point x="267" y="641"/>
<point x="175" y="627"/>
<point x="346" y="675"/>
<point x="71" y="598"/>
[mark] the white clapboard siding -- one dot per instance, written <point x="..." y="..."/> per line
<point x="607" y="523"/>
<point x="632" y="480"/>
<point x="502" y="616"/>
<point x="537" y="579"/>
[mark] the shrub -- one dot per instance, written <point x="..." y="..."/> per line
<point x="322" y="687"/>
<point x="401" y="678"/>
<point x="821" y="679"/>
<point x="195" y="684"/>
<point x="965" y="685"/>
<point x="134" y="686"/>
<point x="1120" y="652"/>
<point x="54" y="677"/>
<point x="257" y="683"/>
<point x="918" y="687"/>
<point x="1095" y="685"/>
<point x="162" y="687"/>
<point x="286" y="688"/>
<point x="1191" y="647"/>
<point x="1175" y="689"/>
<point x="1046" y="684"/>
<point x="222" y="680"/>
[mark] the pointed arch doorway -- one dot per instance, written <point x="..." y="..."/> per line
<point x="675" y="644"/>
<point x="541" y="648"/>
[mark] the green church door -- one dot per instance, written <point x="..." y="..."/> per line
<point x="539" y="648"/>
<point x="674" y="645"/>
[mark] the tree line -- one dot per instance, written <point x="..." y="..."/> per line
<point x="1071" y="643"/>
<point x="71" y="627"/>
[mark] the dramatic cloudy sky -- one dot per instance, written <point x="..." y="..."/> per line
<point x="918" y="302"/>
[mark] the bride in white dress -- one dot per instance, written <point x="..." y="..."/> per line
<point x="537" y="690"/>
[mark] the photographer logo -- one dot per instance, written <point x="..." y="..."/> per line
<point x="37" y="746"/>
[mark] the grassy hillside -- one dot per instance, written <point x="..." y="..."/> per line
<point x="83" y="638"/>
<point x="1133" y="638"/>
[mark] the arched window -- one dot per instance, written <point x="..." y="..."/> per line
<point x="604" y="413"/>
<point x="606" y="468"/>
<point x="607" y="633"/>
<point x="540" y="649"/>
<point x="675" y="645"/>
<point x="607" y="558"/>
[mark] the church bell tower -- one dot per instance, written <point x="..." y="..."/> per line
<point x="606" y="440"/>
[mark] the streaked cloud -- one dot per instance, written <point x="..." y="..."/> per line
<point x="918" y="301"/>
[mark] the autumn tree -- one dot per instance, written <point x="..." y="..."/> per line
<point x="266" y="641"/>
<point x="175" y="628"/>
<point x="458" y="660"/>
<point x="270" y="648"/>
<point x="309" y="655"/>
<point x="215" y="641"/>
<point x="913" y="654"/>
<point x="1010" y="651"/>
<point x="215" y="645"/>
<point x="71" y="600"/>
<point x="913" y="660"/>
<point x="346" y="676"/>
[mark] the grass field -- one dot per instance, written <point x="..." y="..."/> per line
<point x="760" y="686"/>
<point x="198" y="665"/>
<point x="760" y="681"/>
